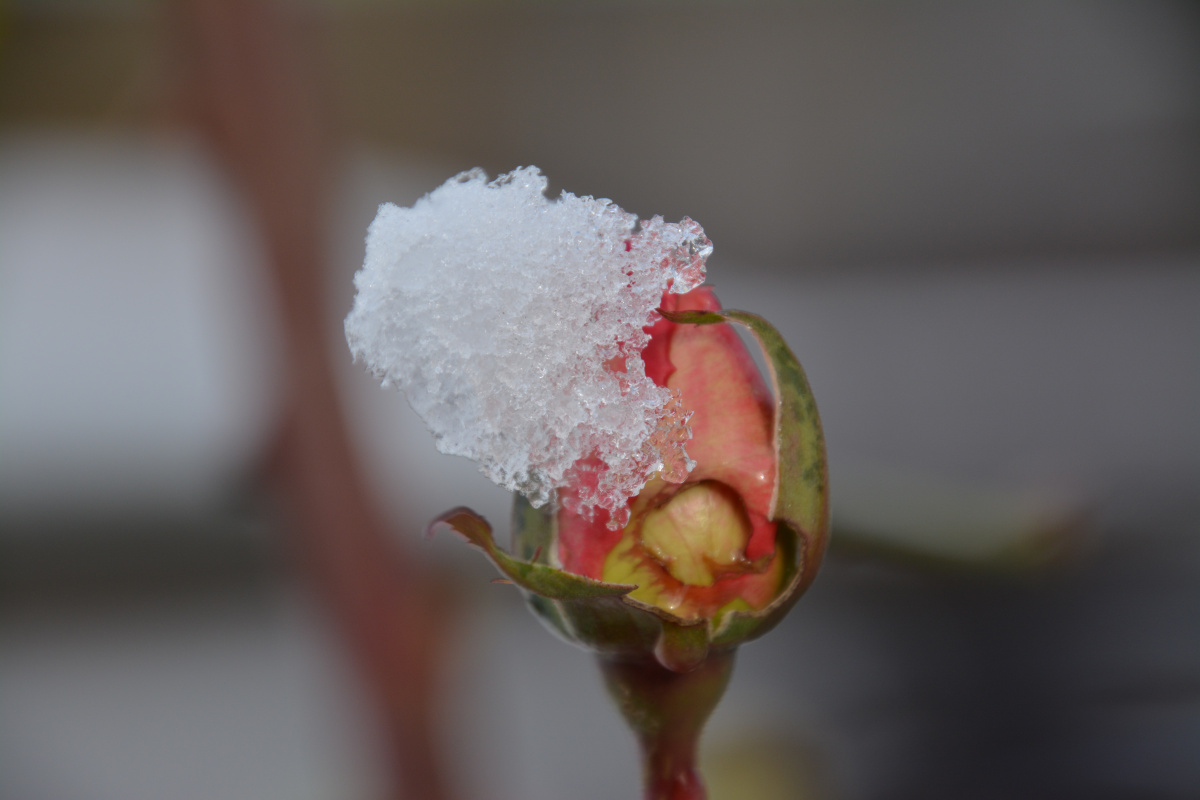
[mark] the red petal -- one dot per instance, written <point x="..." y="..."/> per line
<point x="657" y="354"/>
<point x="733" y="412"/>
<point x="583" y="544"/>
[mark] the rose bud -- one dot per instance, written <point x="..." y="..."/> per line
<point x="718" y="558"/>
<point x="669" y="506"/>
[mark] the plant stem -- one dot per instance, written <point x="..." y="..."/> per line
<point x="667" y="710"/>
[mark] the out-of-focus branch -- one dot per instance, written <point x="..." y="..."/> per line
<point x="244" y="85"/>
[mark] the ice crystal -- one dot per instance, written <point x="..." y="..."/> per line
<point x="514" y="325"/>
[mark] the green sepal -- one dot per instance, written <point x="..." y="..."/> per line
<point x="801" y="499"/>
<point x="538" y="578"/>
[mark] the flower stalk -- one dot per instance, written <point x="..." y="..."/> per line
<point x="667" y="710"/>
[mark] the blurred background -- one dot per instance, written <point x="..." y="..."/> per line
<point x="978" y="225"/>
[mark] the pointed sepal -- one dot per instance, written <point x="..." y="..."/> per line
<point x="537" y="578"/>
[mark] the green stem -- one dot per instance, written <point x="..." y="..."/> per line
<point x="667" y="710"/>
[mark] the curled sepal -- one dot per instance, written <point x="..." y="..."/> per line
<point x="800" y="502"/>
<point x="540" y="579"/>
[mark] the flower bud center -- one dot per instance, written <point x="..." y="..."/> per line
<point x="699" y="534"/>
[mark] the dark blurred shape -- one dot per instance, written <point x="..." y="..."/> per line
<point x="815" y="132"/>
<point x="1079" y="679"/>
<point x="251" y="92"/>
<point x="799" y="134"/>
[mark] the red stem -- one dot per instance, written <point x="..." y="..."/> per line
<point x="667" y="710"/>
<point x="243" y="63"/>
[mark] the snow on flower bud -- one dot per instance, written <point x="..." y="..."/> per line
<point x="515" y="326"/>
<point x="572" y="352"/>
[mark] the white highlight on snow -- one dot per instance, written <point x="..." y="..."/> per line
<point x="504" y="317"/>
